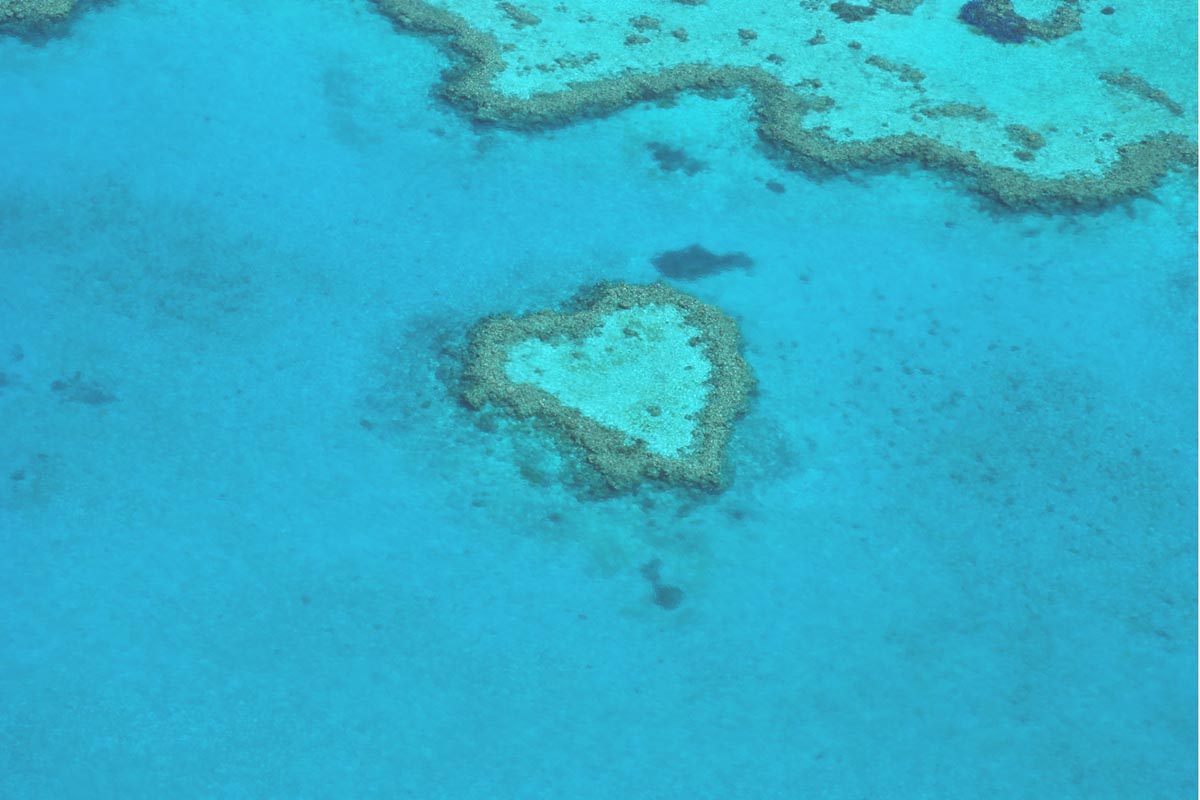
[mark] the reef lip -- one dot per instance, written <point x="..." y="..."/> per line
<point x="790" y="117"/>
<point x="34" y="11"/>
<point x="38" y="21"/>
<point x="621" y="459"/>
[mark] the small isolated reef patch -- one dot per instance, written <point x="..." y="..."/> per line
<point x="848" y="12"/>
<point x="673" y="159"/>
<point x="698" y="262"/>
<point x="639" y="383"/>
<point x="665" y="595"/>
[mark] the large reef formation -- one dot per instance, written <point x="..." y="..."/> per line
<point x="840" y="89"/>
<point x="640" y="382"/>
<point x="35" y="21"/>
<point x="34" y="11"/>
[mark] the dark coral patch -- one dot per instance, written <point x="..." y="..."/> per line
<point x="666" y="596"/>
<point x="848" y="12"/>
<point x="996" y="19"/>
<point x="672" y="159"/>
<point x="698" y="262"/>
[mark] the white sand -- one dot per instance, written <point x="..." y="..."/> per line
<point x="617" y="379"/>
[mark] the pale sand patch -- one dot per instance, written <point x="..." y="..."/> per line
<point x="639" y="373"/>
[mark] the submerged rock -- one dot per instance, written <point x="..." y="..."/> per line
<point x="698" y="262"/>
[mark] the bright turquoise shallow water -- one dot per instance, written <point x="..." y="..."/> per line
<point x="253" y="550"/>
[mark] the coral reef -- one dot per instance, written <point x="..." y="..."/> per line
<point x="883" y="102"/>
<point x="33" y="11"/>
<point x="698" y="262"/>
<point x="1141" y="87"/>
<point x="642" y="381"/>
<point x="999" y="20"/>
<point x="996" y="19"/>
<point x="848" y="12"/>
<point x="905" y="7"/>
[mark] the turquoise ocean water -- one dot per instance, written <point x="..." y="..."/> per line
<point x="252" y="549"/>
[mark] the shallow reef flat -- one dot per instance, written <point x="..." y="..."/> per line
<point x="645" y="382"/>
<point x="1035" y="103"/>
<point x="34" y="11"/>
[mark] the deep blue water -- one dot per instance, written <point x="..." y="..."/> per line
<point x="251" y="548"/>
